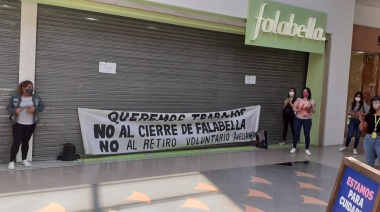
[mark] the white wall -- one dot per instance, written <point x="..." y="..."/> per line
<point x="28" y="36"/>
<point x="367" y="15"/>
<point x="340" y="15"/>
<point x="236" y="8"/>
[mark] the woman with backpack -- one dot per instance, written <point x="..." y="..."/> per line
<point x="355" y="109"/>
<point x="288" y="114"/>
<point x="24" y="108"/>
<point x="303" y="108"/>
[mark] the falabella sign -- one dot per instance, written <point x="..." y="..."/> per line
<point x="288" y="28"/>
<point x="276" y="25"/>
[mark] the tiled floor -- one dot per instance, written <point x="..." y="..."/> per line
<point x="256" y="180"/>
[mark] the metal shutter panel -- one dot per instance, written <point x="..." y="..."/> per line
<point x="160" y="68"/>
<point x="10" y="18"/>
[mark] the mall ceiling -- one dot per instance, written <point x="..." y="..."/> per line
<point x="375" y="3"/>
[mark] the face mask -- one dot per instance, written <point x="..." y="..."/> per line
<point x="291" y="93"/>
<point x="357" y="99"/>
<point x="376" y="106"/>
<point x="29" y="91"/>
<point x="305" y="94"/>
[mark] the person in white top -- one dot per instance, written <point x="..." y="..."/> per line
<point x="24" y="108"/>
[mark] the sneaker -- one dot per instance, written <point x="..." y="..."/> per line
<point x="25" y="163"/>
<point x="293" y="151"/>
<point x="282" y="143"/>
<point x="355" y="152"/>
<point x="11" y="165"/>
<point x="308" y="152"/>
<point x="342" y="148"/>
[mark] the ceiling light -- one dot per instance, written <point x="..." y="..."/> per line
<point x="360" y="52"/>
<point x="151" y="27"/>
<point x="5" y="6"/>
<point x="91" y="19"/>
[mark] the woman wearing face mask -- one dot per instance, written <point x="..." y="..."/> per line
<point x="355" y="109"/>
<point x="23" y="108"/>
<point x="288" y="114"/>
<point x="303" y="107"/>
<point x="370" y="123"/>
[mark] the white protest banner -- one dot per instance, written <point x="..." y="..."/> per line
<point x="116" y="132"/>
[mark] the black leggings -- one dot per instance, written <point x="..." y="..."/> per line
<point x="21" y="135"/>
<point x="286" y="120"/>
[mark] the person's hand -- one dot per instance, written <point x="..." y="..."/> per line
<point x="31" y="110"/>
<point x="18" y="110"/>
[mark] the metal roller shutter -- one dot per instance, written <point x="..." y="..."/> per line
<point x="160" y="68"/>
<point x="10" y="16"/>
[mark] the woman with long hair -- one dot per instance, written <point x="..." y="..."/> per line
<point x="303" y="107"/>
<point x="24" y="108"/>
<point x="288" y="114"/>
<point x="370" y="124"/>
<point x="355" y="109"/>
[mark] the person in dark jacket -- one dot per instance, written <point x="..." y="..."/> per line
<point x="288" y="114"/>
<point x="370" y="124"/>
<point x="24" y="108"/>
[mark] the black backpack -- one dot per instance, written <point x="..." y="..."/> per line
<point x="261" y="139"/>
<point x="68" y="153"/>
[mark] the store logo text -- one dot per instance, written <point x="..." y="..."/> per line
<point x="288" y="28"/>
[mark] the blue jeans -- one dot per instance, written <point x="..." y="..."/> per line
<point x="371" y="149"/>
<point x="353" y="127"/>
<point x="298" y="123"/>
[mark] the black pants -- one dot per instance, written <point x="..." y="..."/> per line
<point x="286" y="120"/>
<point x="21" y="135"/>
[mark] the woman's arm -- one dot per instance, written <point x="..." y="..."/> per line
<point x="11" y="107"/>
<point x="312" y="106"/>
<point x="350" y="113"/>
<point x="365" y="109"/>
<point x="285" y="103"/>
<point x="40" y="106"/>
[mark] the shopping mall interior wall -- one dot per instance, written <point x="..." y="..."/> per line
<point x="367" y="15"/>
<point x="340" y="18"/>
<point x="160" y="68"/>
<point x="9" y="55"/>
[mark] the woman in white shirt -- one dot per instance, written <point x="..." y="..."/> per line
<point x="24" y="108"/>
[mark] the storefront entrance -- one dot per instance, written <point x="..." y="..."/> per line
<point x="364" y="77"/>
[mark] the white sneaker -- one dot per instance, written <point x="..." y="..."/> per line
<point x="11" y="165"/>
<point x="293" y="151"/>
<point x="308" y="152"/>
<point x="25" y="163"/>
<point x="282" y="143"/>
<point x="342" y="148"/>
<point x="355" y="152"/>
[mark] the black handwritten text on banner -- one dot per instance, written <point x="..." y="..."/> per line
<point x="116" y="132"/>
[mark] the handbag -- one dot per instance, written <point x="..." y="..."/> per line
<point x="288" y="110"/>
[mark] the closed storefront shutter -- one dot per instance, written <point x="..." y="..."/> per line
<point x="9" y="59"/>
<point x="160" y="68"/>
